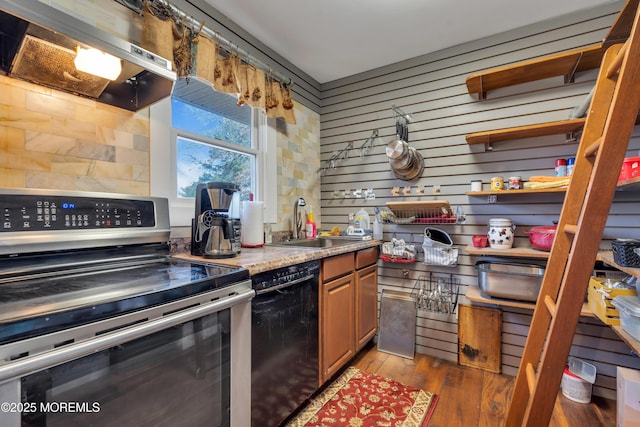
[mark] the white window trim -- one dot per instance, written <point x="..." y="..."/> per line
<point x="163" y="165"/>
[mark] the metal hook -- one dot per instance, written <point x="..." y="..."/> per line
<point x="368" y="145"/>
<point x="398" y="112"/>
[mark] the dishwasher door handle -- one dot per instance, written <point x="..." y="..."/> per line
<point x="285" y="285"/>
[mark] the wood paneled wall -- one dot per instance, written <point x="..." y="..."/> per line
<point x="432" y="89"/>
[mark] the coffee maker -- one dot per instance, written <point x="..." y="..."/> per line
<point x="213" y="233"/>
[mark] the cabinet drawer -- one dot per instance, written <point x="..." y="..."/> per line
<point x="366" y="257"/>
<point x="336" y="266"/>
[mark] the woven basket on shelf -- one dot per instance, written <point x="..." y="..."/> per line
<point x="624" y="253"/>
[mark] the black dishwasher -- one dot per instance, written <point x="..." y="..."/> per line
<point x="284" y="341"/>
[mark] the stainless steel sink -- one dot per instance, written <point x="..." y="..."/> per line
<point x="320" y="242"/>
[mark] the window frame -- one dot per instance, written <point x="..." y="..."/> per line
<point x="215" y="143"/>
<point x="163" y="135"/>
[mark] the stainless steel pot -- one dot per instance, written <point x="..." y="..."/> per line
<point x="397" y="149"/>
<point x="406" y="162"/>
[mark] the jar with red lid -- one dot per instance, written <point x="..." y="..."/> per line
<point x="561" y="167"/>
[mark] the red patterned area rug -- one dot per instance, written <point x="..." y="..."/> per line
<point x="361" y="399"/>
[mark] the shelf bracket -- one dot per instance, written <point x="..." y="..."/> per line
<point x="482" y="95"/>
<point x="492" y="198"/>
<point x="488" y="146"/>
<point x="570" y="78"/>
<point x="572" y="136"/>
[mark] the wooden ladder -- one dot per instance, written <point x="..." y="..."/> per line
<point x="610" y="121"/>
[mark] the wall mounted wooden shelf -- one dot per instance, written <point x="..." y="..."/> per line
<point x="515" y="192"/>
<point x="473" y="294"/>
<point x="563" y="64"/>
<point x="528" y="252"/>
<point x="628" y="339"/>
<point x="525" y="252"/>
<point x="632" y="184"/>
<point x="569" y="127"/>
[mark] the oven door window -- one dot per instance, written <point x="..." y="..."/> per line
<point x="179" y="376"/>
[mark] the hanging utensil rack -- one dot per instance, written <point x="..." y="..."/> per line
<point x="402" y="120"/>
<point x="338" y="157"/>
<point x="399" y="114"/>
<point x="437" y="294"/>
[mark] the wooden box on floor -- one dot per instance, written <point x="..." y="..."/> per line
<point x="479" y="337"/>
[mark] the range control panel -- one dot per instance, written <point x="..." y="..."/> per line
<point x="36" y="212"/>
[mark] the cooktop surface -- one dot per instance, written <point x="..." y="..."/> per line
<point x="47" y="301"/>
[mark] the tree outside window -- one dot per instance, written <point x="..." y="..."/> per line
<point x="216" y="148"/>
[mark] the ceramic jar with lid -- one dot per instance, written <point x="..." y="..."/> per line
<point x="501" y="233"/>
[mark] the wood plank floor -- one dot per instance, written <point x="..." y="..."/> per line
<point x="473" y="397"/>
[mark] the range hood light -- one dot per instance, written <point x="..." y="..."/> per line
<point x="98" y="63"/>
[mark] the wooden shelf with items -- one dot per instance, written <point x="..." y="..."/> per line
<point x="523" y="252"/>
<point x="632" y="184"/>
<point x="528" y="252"/>
<point x="607" y="257"/>
<point x="516" y="192"/>
<point x="474" y="294"/>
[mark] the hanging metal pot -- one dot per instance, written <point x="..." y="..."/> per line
<point x="398" y="147"/>
<point x="413" y="170"/>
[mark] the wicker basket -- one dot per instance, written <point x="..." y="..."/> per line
<point x="624" y="254"/>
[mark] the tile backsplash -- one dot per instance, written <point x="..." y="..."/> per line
<point x="50" y="139"/>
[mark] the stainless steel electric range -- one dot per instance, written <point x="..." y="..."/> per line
<point x="100" y="326"/>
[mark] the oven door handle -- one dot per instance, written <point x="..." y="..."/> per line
<point x="58" y="356"/>
<point x="285" y="285"/>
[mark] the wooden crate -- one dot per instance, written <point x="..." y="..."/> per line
<point x="600" y="296"/>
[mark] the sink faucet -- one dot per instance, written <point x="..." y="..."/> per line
<point x="297" y="221"/>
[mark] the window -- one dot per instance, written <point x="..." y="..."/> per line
<point x="213" y="147"/>
<point x="211" y="140"/>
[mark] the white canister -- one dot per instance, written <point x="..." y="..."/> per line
<point x="575" y="388"/>
<point x="501" y="232"/>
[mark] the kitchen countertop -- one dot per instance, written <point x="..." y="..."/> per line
<point x="270" y="257"/>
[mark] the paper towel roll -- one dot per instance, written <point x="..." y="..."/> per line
<point x="252" y="224"/>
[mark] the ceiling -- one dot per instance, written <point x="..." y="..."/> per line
<point x="332" y="39"/>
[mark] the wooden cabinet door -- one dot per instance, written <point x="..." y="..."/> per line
<point x="366" y="304"/>
<point x="337" y="324"/>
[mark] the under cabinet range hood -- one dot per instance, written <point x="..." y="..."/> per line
<point x="38" y="43"/>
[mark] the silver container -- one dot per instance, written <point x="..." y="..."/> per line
<point x="510" y="280"/>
